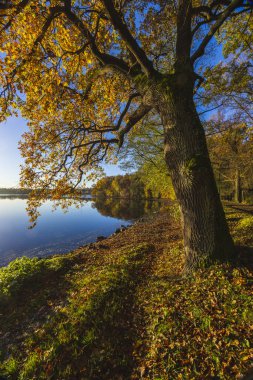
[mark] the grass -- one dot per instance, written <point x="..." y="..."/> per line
<point x="122" y="310"/>
<point x="24" y="271"/>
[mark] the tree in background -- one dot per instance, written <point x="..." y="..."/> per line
<point x="231" y="150"/>
<point x="144" y="153"/>
<point x="129" y="186"/>
<point x="84" y="73"/>
<point x="228" y="90"/>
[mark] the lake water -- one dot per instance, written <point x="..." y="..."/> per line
<point x="58" y="231"/>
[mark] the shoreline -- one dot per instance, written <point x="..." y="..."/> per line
<point x="121" y="309"/>
<point x="39" y="243"/>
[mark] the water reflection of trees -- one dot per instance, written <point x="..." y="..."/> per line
<point x="13" y="196"/>
<point x="123" y="208"/>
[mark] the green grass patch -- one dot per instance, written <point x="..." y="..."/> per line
<point x="245" y="224"/>
<point x="243" y="231"/>
<point x="23" y="271"/>
<point x="91" y="332"/>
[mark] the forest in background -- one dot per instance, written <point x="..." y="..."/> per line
<point x="231" y="151"/>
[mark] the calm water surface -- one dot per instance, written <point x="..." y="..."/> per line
<point x="60" y="232"/>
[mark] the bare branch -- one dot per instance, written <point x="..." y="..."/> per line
<point x="220" y="20"/>
<point x="130" y="41"/>
<point x="131" y="97"/>
<point x="133" y="119"/>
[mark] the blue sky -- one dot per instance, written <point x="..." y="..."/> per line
<point x="10" y="158"/>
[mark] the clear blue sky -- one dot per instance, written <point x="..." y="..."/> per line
<point x="10" y="159"/>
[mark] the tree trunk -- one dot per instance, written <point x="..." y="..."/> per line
<point x="238" y="188"/>
<point x="206" y="234"/>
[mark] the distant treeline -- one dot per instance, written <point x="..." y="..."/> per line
<point x="13" y="191"/>
<point x="130" y="186"/>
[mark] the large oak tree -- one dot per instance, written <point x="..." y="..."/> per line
<point x="84" y="73"/>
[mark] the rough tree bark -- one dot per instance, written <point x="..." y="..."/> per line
<point x="205" y="230"/>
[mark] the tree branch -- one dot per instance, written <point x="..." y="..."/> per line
<point x="223" y="16"/>
<point x="105" y="59"/>
<point x="133" y="119"/>
<point x="131" y="97"/>
<point x="18" y="9"/>
<point x="130" y="41"/>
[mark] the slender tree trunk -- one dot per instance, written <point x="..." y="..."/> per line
<point x="205" y="230"/>
<point x="238" y="188"/>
